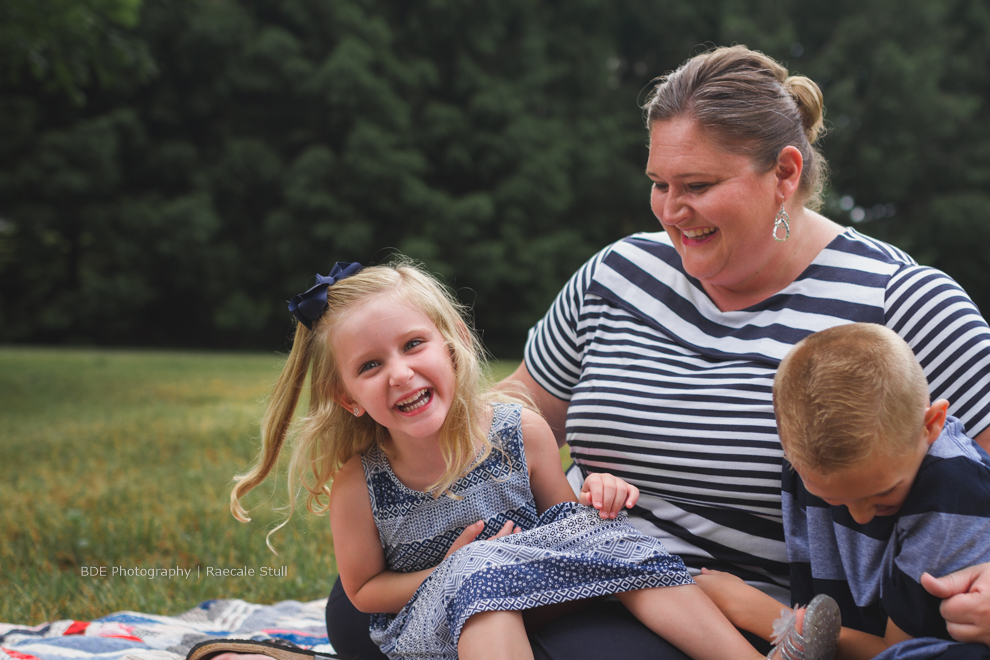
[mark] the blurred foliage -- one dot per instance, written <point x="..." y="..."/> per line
<point x="256" y="142"/>
<point x="66" y="44"/>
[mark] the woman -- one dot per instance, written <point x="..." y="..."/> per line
<point x="656" y="360"/>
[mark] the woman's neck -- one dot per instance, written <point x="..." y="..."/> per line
<point x="810" y="234"/>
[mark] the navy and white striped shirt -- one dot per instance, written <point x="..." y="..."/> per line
<point x="674" y="395"/>
<point x="874" y="570"/>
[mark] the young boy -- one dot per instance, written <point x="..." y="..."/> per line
<point x="884" y="487"/>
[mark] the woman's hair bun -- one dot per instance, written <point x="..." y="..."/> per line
<point x="811" y="105"/>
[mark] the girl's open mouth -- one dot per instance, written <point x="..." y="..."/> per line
<point x="415" y="401"/>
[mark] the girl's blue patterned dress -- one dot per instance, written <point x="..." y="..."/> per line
<point x="566" y="554"/>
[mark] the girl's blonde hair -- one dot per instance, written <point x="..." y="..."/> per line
<point x="329" y="435"/>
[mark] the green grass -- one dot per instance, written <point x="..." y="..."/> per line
<point x="124" y="459"/>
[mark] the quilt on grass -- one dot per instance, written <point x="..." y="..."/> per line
<point x="137" y="636"/>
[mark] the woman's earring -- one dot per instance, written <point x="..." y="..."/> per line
<point x="781" y="219"/>
<point x="357" y="411"/>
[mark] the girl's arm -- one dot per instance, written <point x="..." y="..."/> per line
<point x="605" y="492"/>
<point x="554" y="410"/>
<point x="368" y="583"/>
<point x="546" y="476"/>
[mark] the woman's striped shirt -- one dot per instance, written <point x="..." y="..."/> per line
<point x="674" y="395"/>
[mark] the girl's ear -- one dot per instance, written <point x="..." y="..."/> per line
<point x="344" y="399"/>
<point x="463" y="331"/>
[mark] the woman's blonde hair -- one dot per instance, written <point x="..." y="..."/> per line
<point x="329" y="435"/>
<point x="748" y="104"/>
<point x="847" y="393"/>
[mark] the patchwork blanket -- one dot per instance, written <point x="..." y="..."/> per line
<point x="136" y="636"/>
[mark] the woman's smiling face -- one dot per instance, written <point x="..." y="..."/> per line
<point x="717" y="209"/>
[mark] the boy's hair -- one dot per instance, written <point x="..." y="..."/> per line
<point x="329" y="435"/>
<point x="844" y="393"/>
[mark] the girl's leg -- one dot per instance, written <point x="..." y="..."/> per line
<point x="494" y="635"/>
<point x="689" y="620"/>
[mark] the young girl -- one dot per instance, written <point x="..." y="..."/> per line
<point x="423" y="463"/>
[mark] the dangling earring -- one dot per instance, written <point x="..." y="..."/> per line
<point x="357" y="411"/>
<point x="781" y="219"/>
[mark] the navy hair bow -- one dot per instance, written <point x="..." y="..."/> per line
<point x="310" y="305"/>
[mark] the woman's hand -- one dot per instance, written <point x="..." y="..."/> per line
<point x="471" y="532"/>
<point x="966" y="602"/>
<point x="607" y="493"/>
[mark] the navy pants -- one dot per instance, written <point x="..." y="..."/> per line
<point x="603" y="630"/>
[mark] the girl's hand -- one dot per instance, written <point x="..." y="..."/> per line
<point x="607" y="493"/>
<point x="471" y="532"/>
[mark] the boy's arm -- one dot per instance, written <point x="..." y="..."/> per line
<point x="856" y="645"/>
<point x="942" y="527"/>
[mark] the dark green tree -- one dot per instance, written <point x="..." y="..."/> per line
<point x="183" y="176"/>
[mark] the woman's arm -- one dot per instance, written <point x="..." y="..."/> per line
<point x="966" y="601"/>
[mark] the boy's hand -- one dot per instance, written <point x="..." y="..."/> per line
<point x="607" y="493"/>
<point x="471" y="532"/>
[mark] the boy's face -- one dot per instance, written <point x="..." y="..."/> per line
<point x="877" y="485"/>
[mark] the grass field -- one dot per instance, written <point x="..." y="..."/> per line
<point x="123" y="460"/>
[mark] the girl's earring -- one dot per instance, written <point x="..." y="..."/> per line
<point x="357" y="411"/>
<point x="781" y="219"/>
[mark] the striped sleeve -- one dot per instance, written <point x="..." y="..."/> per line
<point x="554" y="348"/>
<point x="951" y="339"/>
<point x="942" y="527"/>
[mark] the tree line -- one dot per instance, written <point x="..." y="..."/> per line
<point x="171" y="171"/>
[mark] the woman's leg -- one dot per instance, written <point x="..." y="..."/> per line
<point x="494" y="636"/>
<point x="600" y="631"/>
<point x="604" y="630"/>
<point x="347" y="628"/>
